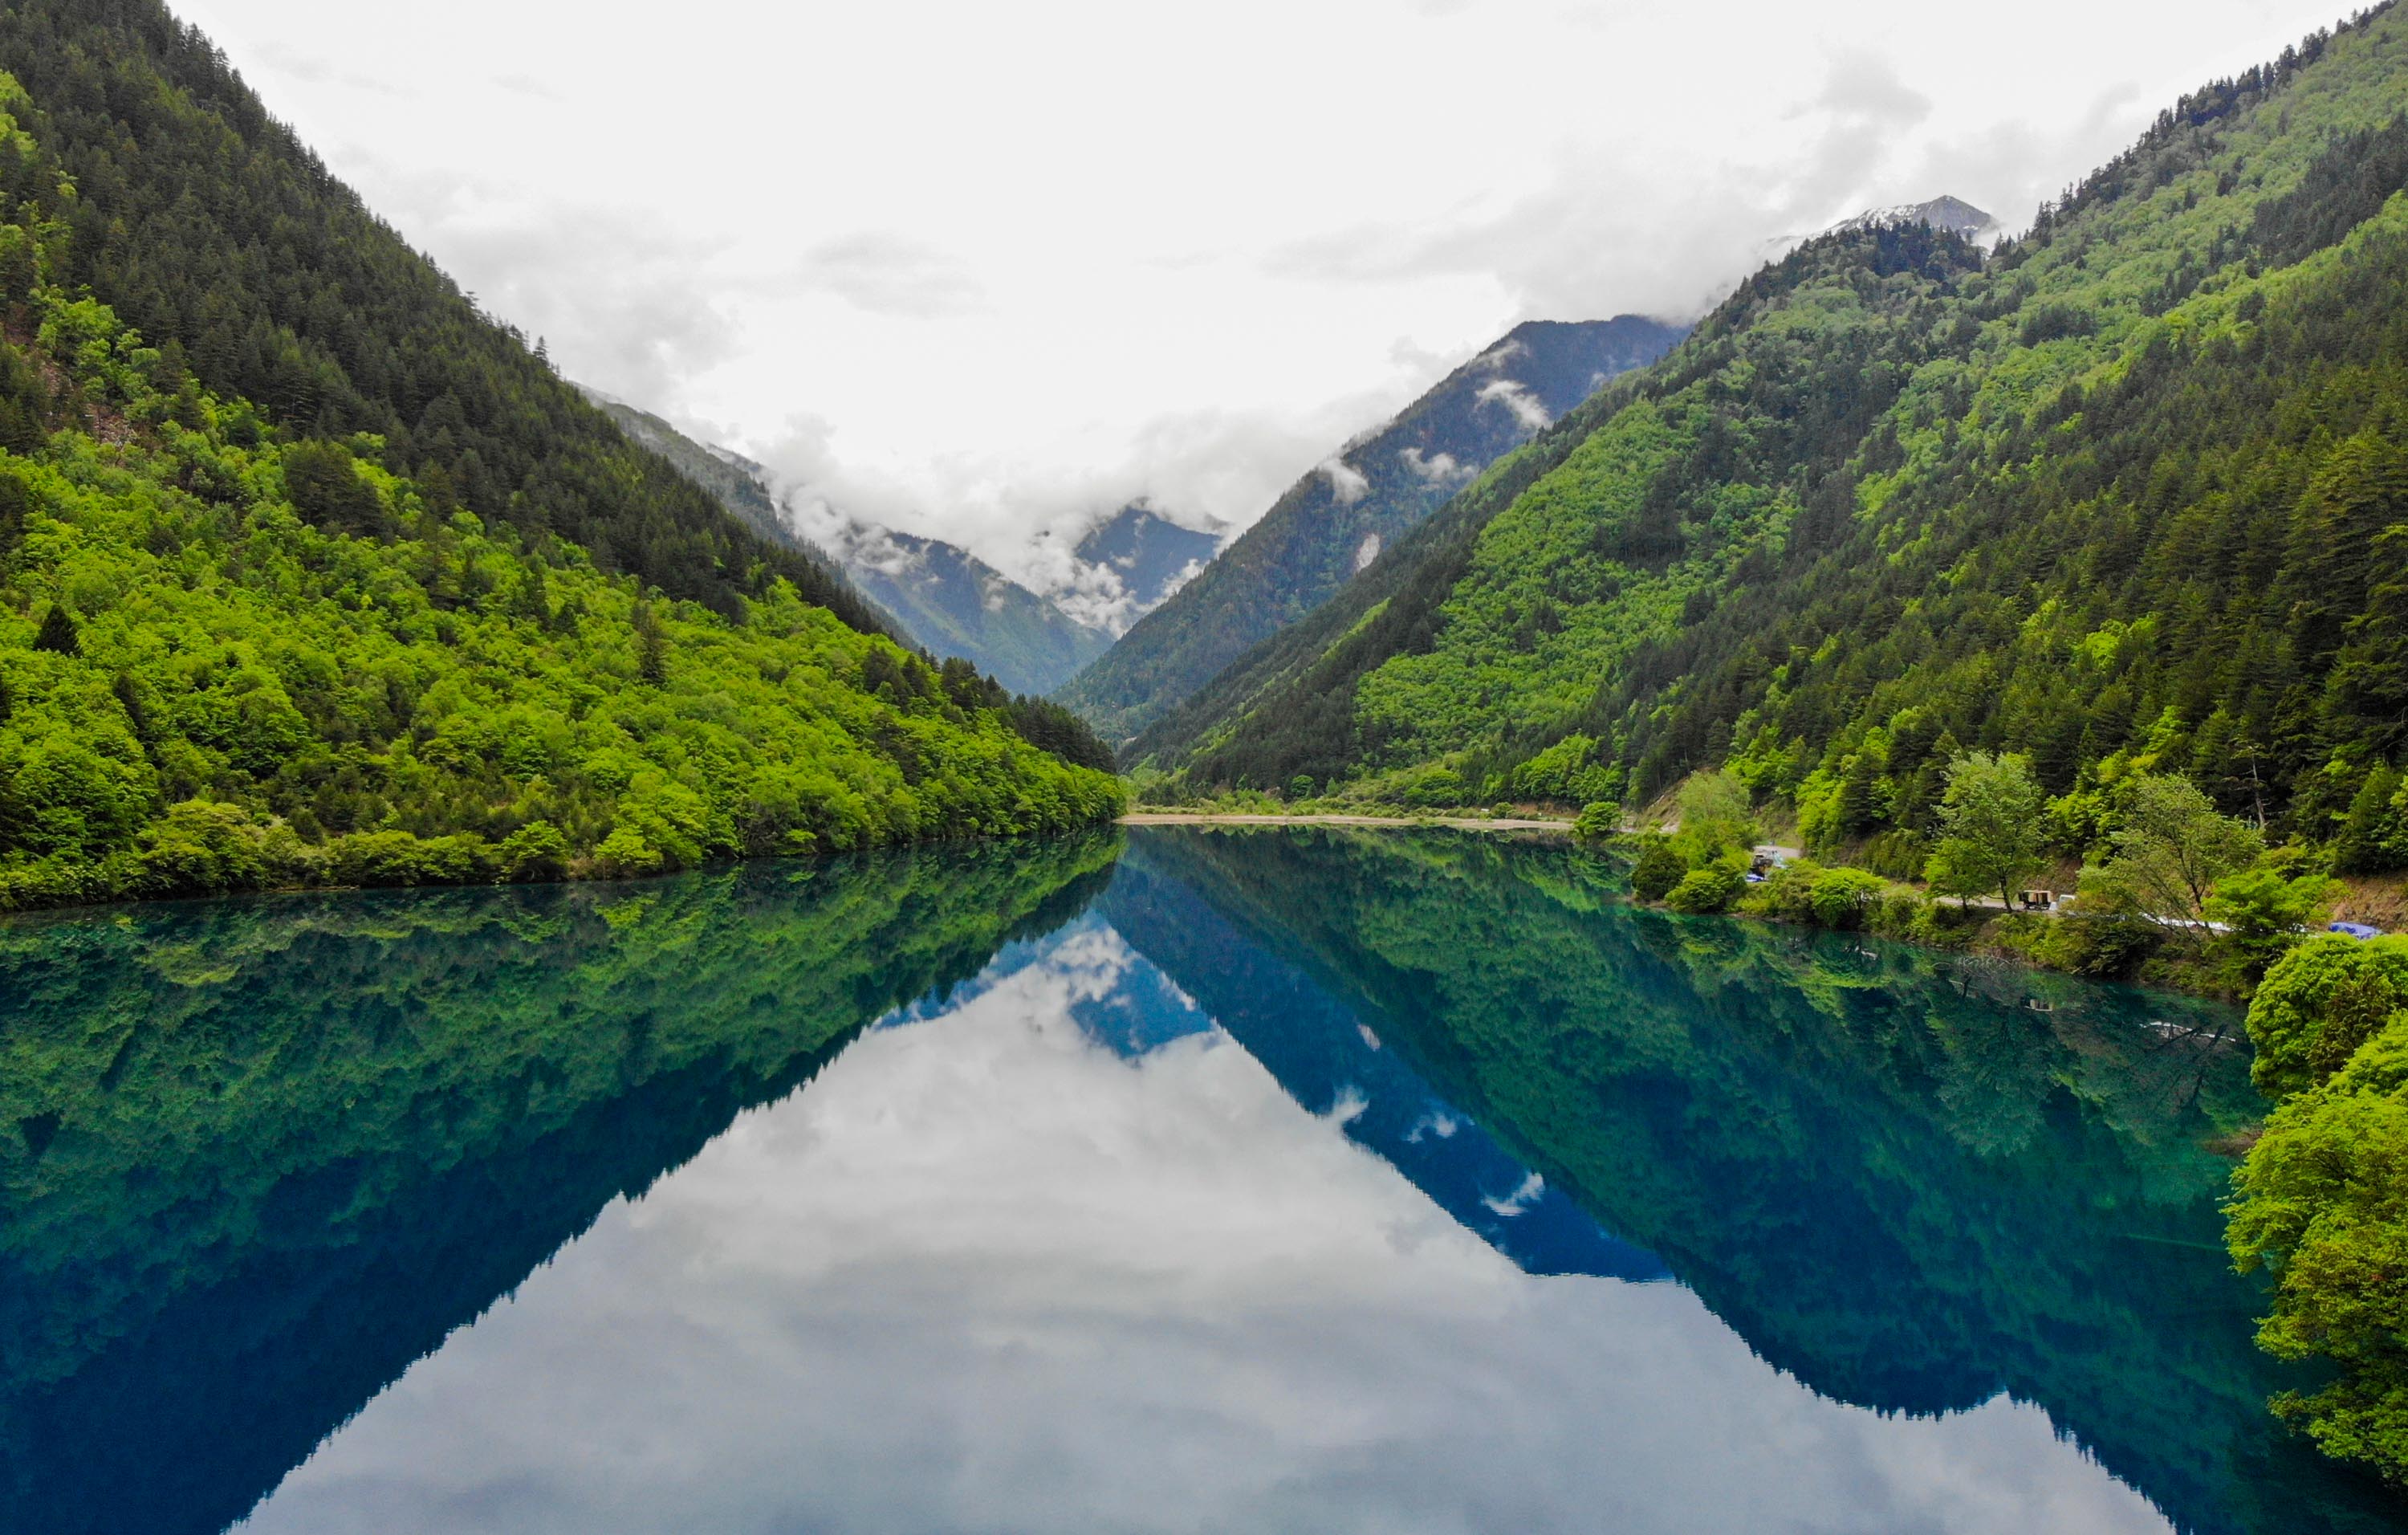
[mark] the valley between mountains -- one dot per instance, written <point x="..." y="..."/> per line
<point x="1945" y="565"/>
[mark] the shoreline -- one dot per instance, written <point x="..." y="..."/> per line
<point x="1208" y="818"/>
<point x="1977" y="938"/>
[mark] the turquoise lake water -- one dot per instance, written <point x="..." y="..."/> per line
<point x="1173" y="1180"/>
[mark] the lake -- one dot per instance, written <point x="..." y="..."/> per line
<point x="1173" y="1178"/>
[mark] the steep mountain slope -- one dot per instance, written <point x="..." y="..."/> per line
<point x="733" y="480"/>
<point x="233" y="655"/>
<point x="953" y="603"/>
<point x="1336" y="520"/>
<point x="2127" y="493"/>
<point x="935" y="595"/>
<point x="1151" y="556"/>
<point x="213" y="231"/>
<point x="940" y="596"/>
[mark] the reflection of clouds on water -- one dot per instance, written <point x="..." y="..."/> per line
<point x="1435" y="1122"/>
<point x="1520" y="1198"/>
<point x="985" y="1272"/>
<point x="1347" y="1107"/>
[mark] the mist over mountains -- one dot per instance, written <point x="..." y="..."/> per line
<point x="942" y="598"/>
<point x="1339" y="517"/>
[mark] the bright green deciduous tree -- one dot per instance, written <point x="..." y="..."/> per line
<point x="2169" y="852"/>
<point x="1715" y="817"/>
<point x="2318" y="1003"/>
<point x="2263" y="912"/>
<point x="1990" y="827"/>
<point x="1597" y="819"/>
<point x="2323" y="1203"/>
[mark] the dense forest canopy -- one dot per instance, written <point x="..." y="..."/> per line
<point x="2125" y="494"/>
<point x="209" y="227"/>
<point x="233" y="654"/>
<point x="741" y="485"/>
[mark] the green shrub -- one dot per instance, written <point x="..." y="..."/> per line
<point x="536" y="851"/>
<point x="1657" y="870"/>
<point x="202" y="845"/>
<point x="2264" y="913"/>
<point x="1433" y="789"/>
<point x="395" y="857"/>
<point x="1844" y="897"/>
<point x="2318" y="1003"/>
<point x="1901" y="914"/>
<point x="625" y="855"/>
<point x="1598" y="820"/>
<point x="2323" y="1203"/>
<point x="1710" y="889"/>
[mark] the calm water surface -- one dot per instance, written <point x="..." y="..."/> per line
<point x="1191" y="1181"/>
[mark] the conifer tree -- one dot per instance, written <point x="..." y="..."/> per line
<point x="58" y="632"/>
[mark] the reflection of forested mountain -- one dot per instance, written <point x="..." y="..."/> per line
<point x="269" y="1154"/>
<point x="1331" y="1062"/>
<point x="258" y="1157"/>
<point x="1891" y="1174"/>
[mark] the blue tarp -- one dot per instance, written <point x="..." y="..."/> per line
<point x="2355" y="929"/>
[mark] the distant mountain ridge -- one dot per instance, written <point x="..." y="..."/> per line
<point x="740" y="484"/>
<point x="1338" y="518"/>
<point x="939" y="595"/>
<point x="954" y="603"/>
<point x="1152" y="555"/>
<point x="1953" y="215"/>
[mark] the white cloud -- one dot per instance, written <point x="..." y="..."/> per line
<point x="1517" y="399"/>
<point x="886" y="273"/>
<point x="1495" y="357"/>
<point x="1347" y="483"/>
<point x="1520" y="1199"/>
<point x="1026" y="264"/>
<point x="1441" y="468"/>
<point x="1187" y="572"/>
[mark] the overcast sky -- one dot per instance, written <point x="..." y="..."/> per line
<point x="975" y="269"/>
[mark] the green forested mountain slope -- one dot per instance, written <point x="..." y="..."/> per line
<point x="2131" y="491"/>
<point x="233" y="655"/>
<point x="1150" y="556"/>
<point x="208" y="227"/>
<point x="736" y="483"/>
<point x="944" y="600"/>
<point x="1336" y="520"/>
<point x="954" y="603"/>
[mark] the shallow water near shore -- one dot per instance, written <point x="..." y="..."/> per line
<point x="1168" y="1179"/>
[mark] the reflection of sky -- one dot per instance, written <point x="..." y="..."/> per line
<point x="989" y="1273"/>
